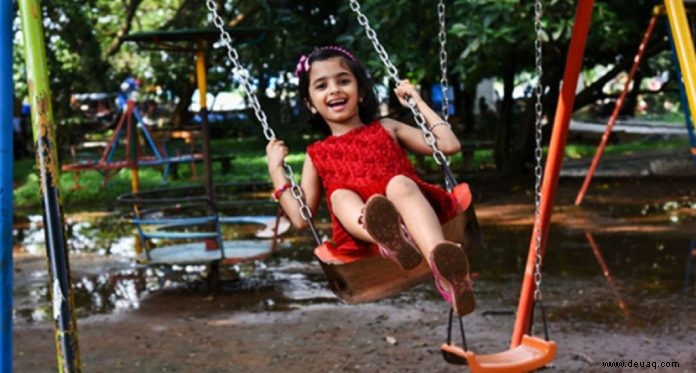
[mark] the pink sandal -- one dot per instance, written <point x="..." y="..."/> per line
<point x="383" y="222"/>
<point x="450" y="267"/>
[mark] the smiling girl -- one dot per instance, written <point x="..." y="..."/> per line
<point x="372" y="191"/>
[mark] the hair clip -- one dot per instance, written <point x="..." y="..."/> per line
<point x="302" y="65"/>
<point x="339" y="49"/>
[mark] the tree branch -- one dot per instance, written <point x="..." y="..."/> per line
<point x="131" y="8"/>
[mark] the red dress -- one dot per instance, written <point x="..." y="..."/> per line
<point x="364" y="160"/>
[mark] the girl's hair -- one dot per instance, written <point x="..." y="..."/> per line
<point x="367" y="107"/>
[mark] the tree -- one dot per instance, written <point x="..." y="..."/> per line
<point x="486" y="39"/>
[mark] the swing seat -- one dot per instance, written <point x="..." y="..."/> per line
<point x="369" y="277"/>
<point x="533" y="353"/>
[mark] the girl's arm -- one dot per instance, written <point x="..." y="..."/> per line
<point x="276" y="151"/>
<point x="411" y="137"/>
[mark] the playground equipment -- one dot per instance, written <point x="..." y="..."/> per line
<point x="356" y="279"/>
<point x="188" y="228"/>
<point x="183" y="226"/>
<point x="6" y="212"/>
<point x="374" y="277"/>
<point x="530" y="352"/>
<point x="65" y="324"/>
<point x="685" y="63"/>
<point x="196" y="41"/>
<point x="134" y="157"/>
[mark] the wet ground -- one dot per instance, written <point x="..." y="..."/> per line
<point x="631" y="297"/>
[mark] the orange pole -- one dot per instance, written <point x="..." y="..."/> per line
<point x="131" y="149"/>
<point x="564" y="109"/>
<point x="607" y="275"/>
<point x="615" y="114"/>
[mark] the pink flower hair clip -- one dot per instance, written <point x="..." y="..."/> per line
<point x="302" y="65"/>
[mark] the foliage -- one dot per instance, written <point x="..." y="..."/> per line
<point x="486" y="39"/>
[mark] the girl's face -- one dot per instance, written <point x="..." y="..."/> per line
<point x="334" y="93"/>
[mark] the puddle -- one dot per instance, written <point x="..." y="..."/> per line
<point x="628" y="281"/>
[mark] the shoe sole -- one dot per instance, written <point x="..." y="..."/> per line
<point x="453" y="267"/>
<point x="383" y="223"/>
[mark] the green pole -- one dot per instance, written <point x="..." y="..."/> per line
<point x="67" y="347"/>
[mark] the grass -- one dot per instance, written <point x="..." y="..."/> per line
<point x="249" y="165"/>
<point x="578" y="151"/>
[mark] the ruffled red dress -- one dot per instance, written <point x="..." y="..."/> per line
<point x="363" y="160"/>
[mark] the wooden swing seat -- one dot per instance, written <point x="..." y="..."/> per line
<point x="369" y="277"/>
<point x="533" y="353"/>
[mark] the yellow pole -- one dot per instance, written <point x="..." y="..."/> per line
<point x="684" y="45"/>
<point x="205" y="127"/>
<point x="132" y="144"/>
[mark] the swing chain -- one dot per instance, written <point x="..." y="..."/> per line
<point x="442" y="36"/>
<point x="243" y="75"/>
<point x="538" y="171"/>
<point x="428" y="136"/>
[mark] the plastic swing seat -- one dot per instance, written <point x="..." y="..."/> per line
<point x="369" y="277"/>
<point x="533" y="353"/>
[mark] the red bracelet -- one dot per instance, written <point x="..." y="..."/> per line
<point x="276" y="194"/>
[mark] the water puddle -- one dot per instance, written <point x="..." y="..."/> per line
<point x="608" y="281"/>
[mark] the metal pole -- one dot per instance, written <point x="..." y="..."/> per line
<point x="684" y="45"/>
<point x="564" y="109"/>
<point x="6" y="158"/>
<point x="688" y="120"/>
<point x="43" y="127"/>
<point x="617" y="108"/>
<point x="205" y="126"/>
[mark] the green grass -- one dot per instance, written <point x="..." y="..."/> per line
<point x="249" y="165"/>
<point x="578" y="151"/>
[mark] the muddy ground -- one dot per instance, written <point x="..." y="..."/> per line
<point x="192" y="331"/>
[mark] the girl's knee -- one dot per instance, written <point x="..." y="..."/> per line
<point x="400" y="185"/>
<point x="339" y="195"/>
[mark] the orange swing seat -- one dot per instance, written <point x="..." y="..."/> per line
<point x="370" y="277"/>
<point x="533" y="353"/>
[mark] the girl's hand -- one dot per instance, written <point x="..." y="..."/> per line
<point x="405" y="90"/>
<point x="276" y="151"/>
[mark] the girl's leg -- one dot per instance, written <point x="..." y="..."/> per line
<point x="417" y="213"/>
<point x="381" y="224"/>
<point x="447" y="259"/>
<point x="347" y="206"/>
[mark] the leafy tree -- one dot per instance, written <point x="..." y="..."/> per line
<point x="486" y="39"/>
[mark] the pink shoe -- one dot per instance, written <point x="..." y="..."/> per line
<point x="450" y="267"/>
<point x="383" y="222"/>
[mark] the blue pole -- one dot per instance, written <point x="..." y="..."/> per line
<point x="6" y="158"/>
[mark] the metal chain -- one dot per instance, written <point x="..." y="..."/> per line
<point x="538" y="171"/>
<point x="430" y="140"/>
<point x="243" y="75"/>
<point x="444" y="83"/>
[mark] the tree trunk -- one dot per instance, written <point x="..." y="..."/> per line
<point x="501" y="152"/>
<point x="182" y="116"/>
<point x="629" y="107"/>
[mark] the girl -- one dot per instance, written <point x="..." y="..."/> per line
<point x="372" y="191"/>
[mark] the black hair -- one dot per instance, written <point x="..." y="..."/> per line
<point x="367" y="107"/>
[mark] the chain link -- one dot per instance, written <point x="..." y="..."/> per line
<point x="394" y="75"/>
<point x="538" y="171"/>
<point x="243" y="76"/>
<point x="442" y="36"/>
